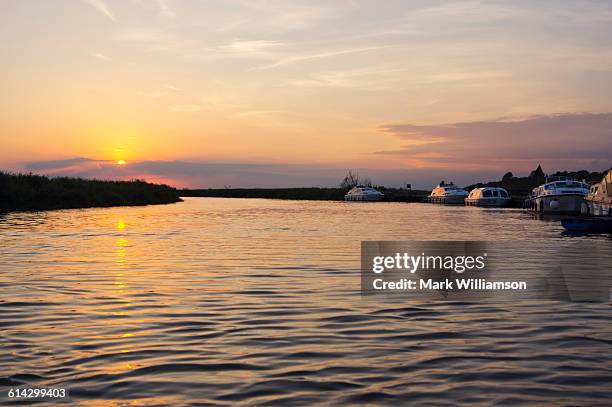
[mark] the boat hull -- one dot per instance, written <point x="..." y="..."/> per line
<point x="588" y="225"/>
<point x="561" y="204"/>
<point x="487" y="202"/>
<point x="447" y="200"/>
<point x="596" y="208"/>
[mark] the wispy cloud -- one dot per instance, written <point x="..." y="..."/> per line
<point x="101" y="56"/>
<point x="174" y="88"/>
<point x="162" y="40"/>
<point x="189" y="108"/>
<point x="258" y="113"/>
<point x="53" y="165"/>
<point x="301" y="58"/>
<point x="251" y="47"/>
<point x="164" y="9"/>
<point x="152" y="40"/>
<point x="153" y="94"/>
<point x="280" y="17"/>
<point x="102" y="8"/>
<point x="372" y="78"/>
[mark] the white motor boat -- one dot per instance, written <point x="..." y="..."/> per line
<point x="488" y="196"/>
<point x="598" y="201"/>
<point x="363" y="193"/>
<point x="447" y="193"/>
<point x="558" y="195"/>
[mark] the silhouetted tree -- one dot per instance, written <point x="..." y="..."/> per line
<point x="351" y="179"/>
<point x="507" y="176"/>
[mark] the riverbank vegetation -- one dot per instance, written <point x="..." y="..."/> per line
<point x="518" y="188"/>
<point x="36" y="192"/>
<point x="22" y="192"/>
<point x="351" y="179"/>
<point x="522" y="186"/>
<point x="308" y="194"/>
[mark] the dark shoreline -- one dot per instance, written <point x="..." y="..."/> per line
<point x="306" y="194"/>
<point x="28" y="192"/>
<point x="519" y="188"/>
<point x="314" y="194"/>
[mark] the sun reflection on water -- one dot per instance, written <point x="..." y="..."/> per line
<point x="121" y="254"/>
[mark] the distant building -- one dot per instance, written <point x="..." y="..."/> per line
<point x="538" y="172"/>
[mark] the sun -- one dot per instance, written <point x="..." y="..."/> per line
<point x="121" y="162"/>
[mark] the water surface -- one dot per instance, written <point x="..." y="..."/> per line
<point x="257" y="301"/>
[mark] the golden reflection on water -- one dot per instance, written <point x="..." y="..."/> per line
<point x="121" y="256"/>
<point x="120" y="286"/>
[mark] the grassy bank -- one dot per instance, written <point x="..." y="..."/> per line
<point x="518" y="187"/>
<point x="309" y="194"/>
<point x="21" y="192"/>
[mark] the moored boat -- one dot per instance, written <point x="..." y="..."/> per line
<point x="448" y="194"/>
<point x="363" y="193"/>
<point x="598" y="201"/>
<point x="558" y="195"/>
<point x="488" y="196"/>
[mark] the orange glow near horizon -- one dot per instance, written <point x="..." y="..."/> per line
<point x="121" y="162"/>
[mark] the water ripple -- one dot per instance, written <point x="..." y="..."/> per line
<point x="257" y="302"/>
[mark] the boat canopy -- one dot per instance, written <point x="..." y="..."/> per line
<point x="488" y="192"/>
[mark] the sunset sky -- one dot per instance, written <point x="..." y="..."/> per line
<point x="279" y="93"/>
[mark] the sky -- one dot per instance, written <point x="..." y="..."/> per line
<point x="294" y="93"/>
